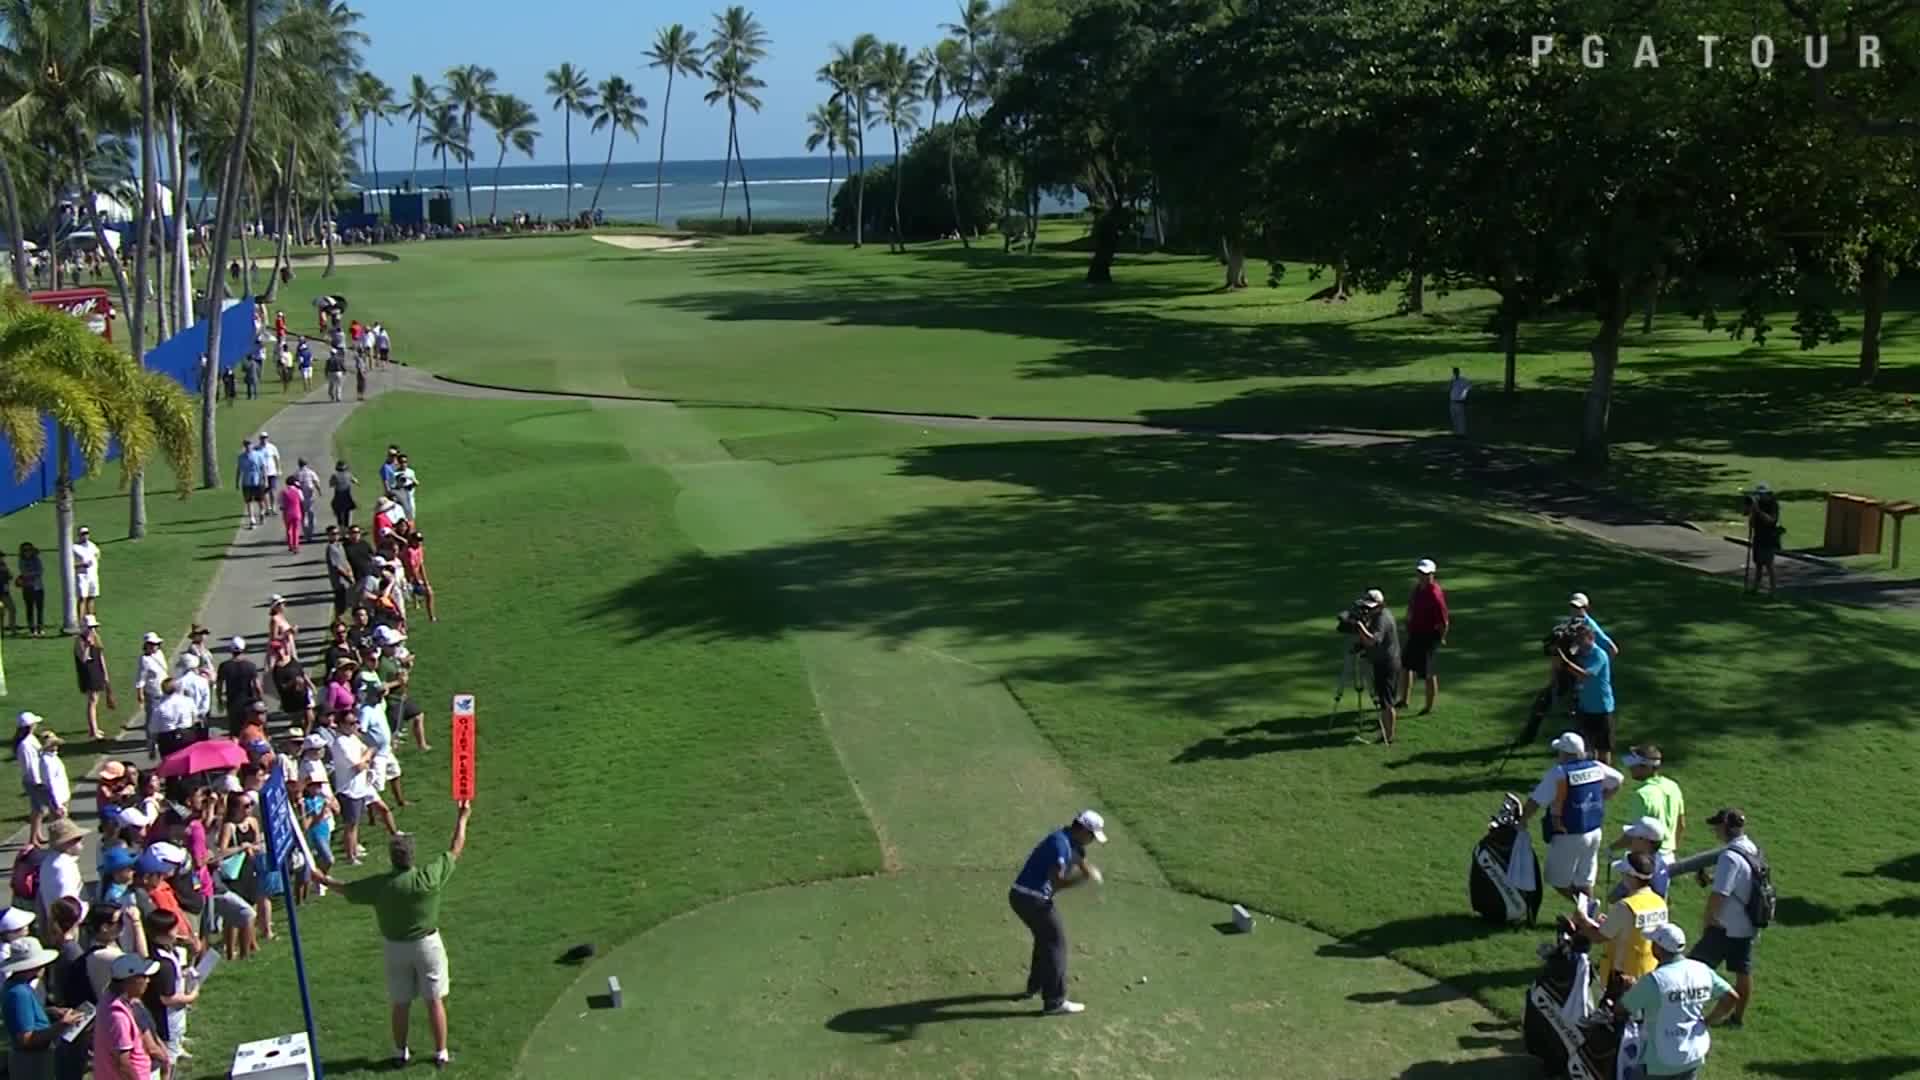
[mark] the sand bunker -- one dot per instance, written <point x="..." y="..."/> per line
<point x="344" y="258"/>
<point x="650" y="243"/>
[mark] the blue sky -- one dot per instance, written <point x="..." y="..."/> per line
<point x="523" y="41"/>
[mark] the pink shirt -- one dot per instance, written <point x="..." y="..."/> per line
<point x="291" y="504"/>
<point x="197" y="851"/>
<point x="116" y="1032"/>
<point x="339" y="696"/>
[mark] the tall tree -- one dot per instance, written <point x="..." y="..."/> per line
<point x="618" y="109"/>
<point x="850" y="73"/>
<point x="738" y="41"/>
<point x="572" y="95"/>
<point x="143" y="255"/>
<point x="827" y="126"/>
<point x="468" y="87"/>
<point x="372" y="103"/>
<point x="674" y="49"/>
<point x="224" y="220"/>
<point x="514" y="127"/>
<point x="447" y="140"/>
<point x="898" y="78"/>
<point x="422" y="99"/>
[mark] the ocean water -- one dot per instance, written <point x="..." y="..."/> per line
<point x="791" y="187"/>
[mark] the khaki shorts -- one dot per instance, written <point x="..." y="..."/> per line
<point x="417" y="969"/>
<point x="1573" y="860"/>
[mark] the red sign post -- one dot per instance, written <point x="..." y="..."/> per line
<point x="463" y="747"/>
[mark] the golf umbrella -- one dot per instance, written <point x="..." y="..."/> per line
<point x="204" y="757"/>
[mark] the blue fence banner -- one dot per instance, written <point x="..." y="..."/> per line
<point x="177" y="357"/>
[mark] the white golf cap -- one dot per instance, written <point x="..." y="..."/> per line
<point x="151" y="638"/>
<point x="387" y="635"/>
<point x="89" y="621"/>
<point x="27" y="719"/>
<point x="1569" y="742"/>
<point x="1091" y="821"/>
<point x="15" y="919"/>
<point x="276" y="598"/>
<point x="190" y="661"/>
<point x="1646" y="828"/>
<point x="263" y="434"/>
<point x="316" y="741"/>
<point x="237" y="643"/>
<point x="1669" y="938"/>
<point x="1578" y="600"/>
<point x="1425" y="566"/>
<point x="1372" y="598"/>
<point x="132" y="966"/>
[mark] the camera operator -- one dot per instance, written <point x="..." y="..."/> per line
<point x="1763" y="535"/>
<point x="1591" y="665"/>
<point x="1377" y="634"/>
<point x="1582" y="613"/>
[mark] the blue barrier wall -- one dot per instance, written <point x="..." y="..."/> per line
<point x="178" y="357"/>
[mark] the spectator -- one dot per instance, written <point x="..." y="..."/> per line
<point x="1730" y="933"/>
<point x="389" y="470"/>
<point x="282" y="635"/>
<point x="250" y="474"/>
<point x="1763" y="536"/>
<point x="406" y="906"/>
<point x="272" y="455"/>
<point x="1574" y="792"/>
<point x="396" y="670"/>
<point x="1427" y="625"/>
<point x="413" y="555"/>
<point x="250" y="373"/>
<point x="26" y="752"/>
<point x="6" y="595"/>
<point x="167" y="996"/>
<point x="53" y="776"/>
<point x="238" y="850"/>
<point x="14" y="924"/>
<point x="303" y="354"/>
<point x="336" y="375"/>
<point x="308" y="482"/>
<point x="293" y="514"/>
<point x="237" y="685"/>
<point x="193" y="683"/>
<point x="377" y="730"/>
<point x="90" y="667"/>
<point x="353" y="784"/>
<point x="175" y="720"/>
<point x="1672" y="1002"/>
<point x="123" y="1049"/>
<point x="342" y="482"/>
<point x="1592" y="666"/>
<point x="405" y="481"/>
<point x="60" y="868"/>
<point x="1382" y="640"/>
<point x="33" y="593"/>
<point x="86" y="571"/>
<point x="33" y="1029"/>
<point x="1457" y="391"/>
<point x="1657" y="796"/>
<point x="148" y="675"/>
<point x="196" y="646"/>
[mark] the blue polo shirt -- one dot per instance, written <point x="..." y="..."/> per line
<point x="1054" y="851"/>
<point x="1596" y="690"/>
<point x="22" y="1008"/>
<point x="253" y="468"/>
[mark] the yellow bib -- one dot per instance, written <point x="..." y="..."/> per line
<point x="1631" y="954"/>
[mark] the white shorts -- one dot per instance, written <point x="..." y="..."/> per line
<point x="88" y="584"/>
<point x="385" y="767"/>
<point x="1573" y="860"/>
<point x="417" y="969"/>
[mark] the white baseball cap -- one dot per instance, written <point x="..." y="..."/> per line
<point x="387" y="635"/>
<point x="1578" y="600"/>
<point x="27" y="719"/>
<point x="1091" y="821"/>
<point x="1425" y="566"/>
<point x="191" y="661"/>
<point x="151" y="638"/>
<point x="132" y="965"/>
<point x="1569" y="742"/>
<point x="1646" y="828"/>
<point x="1372" y="598"/>
<point x="1668" y="937"/>
<point x="237" y="643"/>
<point x="171" y="854"/>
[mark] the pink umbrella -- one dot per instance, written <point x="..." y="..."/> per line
<point x="204" y="756"/>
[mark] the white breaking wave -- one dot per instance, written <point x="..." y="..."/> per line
<point x="812" y="180"/>
<point x="649" y="187"/>
<point x="457" y="188"/>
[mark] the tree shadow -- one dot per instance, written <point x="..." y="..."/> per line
<point x="1884" y="1067"/>
<point x="1904" y="868"/>
<point x="1279" y="735"/>
<point x="901" y="1022"/>
<point x="1509" y="1066"/>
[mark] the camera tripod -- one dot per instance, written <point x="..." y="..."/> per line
<point x="1351" y="678"/>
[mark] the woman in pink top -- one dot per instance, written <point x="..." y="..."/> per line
<point x="293" y="507"/>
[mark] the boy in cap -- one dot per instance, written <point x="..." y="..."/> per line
<point x="53" y="776"/>
<point x="1657" y="796"/>
<point x="1673" y="1002"/>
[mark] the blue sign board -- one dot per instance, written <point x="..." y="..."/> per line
<point x="282" y="830"/>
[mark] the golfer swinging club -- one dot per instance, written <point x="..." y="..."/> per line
<point x="1059" y="861"/>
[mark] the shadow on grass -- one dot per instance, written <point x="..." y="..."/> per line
<point x="1885" y="1067"/>
<point x="1509" y="1067"/>
<point x="1904" y="868"/>
<point x="900" y="1022"/>
<point x="1279" y="735"/>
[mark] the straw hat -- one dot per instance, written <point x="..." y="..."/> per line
<point x="63" y="832"/>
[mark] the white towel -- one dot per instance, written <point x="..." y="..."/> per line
<point x="1633" y="1050"/>
<point x="1522" y="873"/>
<point x="1576" y="1008"/>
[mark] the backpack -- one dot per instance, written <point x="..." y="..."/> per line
<point x="26" y="874"/>
<point x="1763" y="901"/>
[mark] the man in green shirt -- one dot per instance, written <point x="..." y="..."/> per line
<point x="406" y="905"/>
<point x="1657" y="796"/>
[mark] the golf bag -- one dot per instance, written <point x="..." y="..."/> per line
<point x="1503" y="878"/>
<point x="1570" y="1039"/>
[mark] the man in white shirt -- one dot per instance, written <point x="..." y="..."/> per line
<point x="1730" y="933"/>
<point x="273" y="471"/>
<point x="60" y="868"/>
<point x="353" y="765"/>
<point x="172" y="723"/>
<point x="1457" y="402"/>
<point x="382" y="343"/>
<point x="193" y="683"/>
<point x="149" y="672"/>
<point x="86" y="571"/>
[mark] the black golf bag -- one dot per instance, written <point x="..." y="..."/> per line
<point x="1586" y="1051"/>
<point x="1488" y="890"/>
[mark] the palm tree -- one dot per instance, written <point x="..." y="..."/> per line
<point x="52" y="365"/>
<point x="372" y="103"/>
<point x="619" y="109"/>
<point x="223" y="222"/>
<point x="194" y="50"/>
<point x="673" y="49"/>
<point x="739" y="36"/>
<point x="512" y="121"/>
<point x="948" y="75"/>
<point x="571" y="94"/>
<point x="734" y="83"/>
<point x="142" y="261"/>
<point x="898" y="78"/>
<point x="828" y="124"/>
<point x="422" y="99"/>
<point x="850" y="74"/>
<point x="467" y="88"/>
<point x="447" y="140"/>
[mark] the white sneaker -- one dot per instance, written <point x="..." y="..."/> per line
<point x="442" y="1059"/>
<point x="402" y="1055"/>
<point x="1064" y="1007"/>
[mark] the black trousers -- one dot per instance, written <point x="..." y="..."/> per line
<point x="1048" y="973"/>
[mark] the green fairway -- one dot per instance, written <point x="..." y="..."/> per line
<point x="738" y="649"/>
<point x="942" y="328"/>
